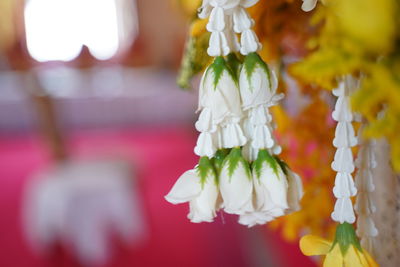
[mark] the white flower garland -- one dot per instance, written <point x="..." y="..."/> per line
<point x="234" y="116"/>
<point x="343" y="163"/>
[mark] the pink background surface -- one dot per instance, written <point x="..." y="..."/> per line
<point x="159" y="156"/>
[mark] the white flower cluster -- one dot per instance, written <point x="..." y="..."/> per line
<point x="343" y="162"/>
<point x="258" y="186"/>
<point x="364" y="206"/>
<point x="226" y="19"/>
<point x="238" y="170"/>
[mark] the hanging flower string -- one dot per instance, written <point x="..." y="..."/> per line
<point x="343" y="162"/>
<point x="365" y="207"/>
<point x="238" y="170"/>
<point x="346" y="249"/>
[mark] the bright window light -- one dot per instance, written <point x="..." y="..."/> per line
<point x="57" y="29"/>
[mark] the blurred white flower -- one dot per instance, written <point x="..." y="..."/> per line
<point x="364" y="205"/>
<point x="236" y="186"/>
<point x="85" y="205"/>
<point x="295" y="191"/>
<point x="308" y="5"/>
<point x="202" y="194"/>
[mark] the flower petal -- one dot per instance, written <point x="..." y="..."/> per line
<point x="344" y="185"/>
<point x="311" y="245"/>
<point x="232" y="136"/>
<point x="258" y="90"/>
<point x="334" y="258"/>
<point x="343" y="160"/>
<point x="370" y="261"/>
<point x="185" y="189"/>
<point x="343" y="211"/>
<point x="254" y="218"/>
<point x="262" y="137"/>
<point x="203" y="207"/>
<point x="218" y="45"/>
<point x="236" y="191"/>
<point x="241" y="20"/>
<point x="352" y="258"/>
<point x="295" y="191"/>
<point x="342" y="111"/>
<point x="308" y="5"/>
<point x="205" y="145"/>
<point x="216" y="22"/>
<point x="224" y="100"/>
<point x="204" y="123"/>
<point x="248" y="3"/>
<point x="249" y="42"/>
<point x="276" y="184"/>
<point x="344" y="135"/>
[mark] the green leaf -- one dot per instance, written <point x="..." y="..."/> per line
<point x="264" y="157"/>
<point x="346" y="236"/>
<point x="251" y="61"/>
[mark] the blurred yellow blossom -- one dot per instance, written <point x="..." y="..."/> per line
<point x="345" y="250"/>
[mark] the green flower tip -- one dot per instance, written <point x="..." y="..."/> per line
<point x="282" y="164"/>
<point x="205" y="168"/>
<point x="218" y="67"/>
<point x="346" y="236"/>
<point x="233" y="160"/>
<point x="265" y="157"/>
<point x="234" y="63"/>
<point x="251" y="61"/>
<point x="219" y="158"/>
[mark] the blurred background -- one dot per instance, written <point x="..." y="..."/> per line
<point x="94" y="132"/>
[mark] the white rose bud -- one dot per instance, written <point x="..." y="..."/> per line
<point x="199" y="188"/>
<point x="219" y="91"/>
<point x="271" y="184"/>
<point x="257" y="82"/>
<point x="235" y="184"/>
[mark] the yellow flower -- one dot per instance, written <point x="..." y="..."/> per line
<point x="344" y="251"/>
